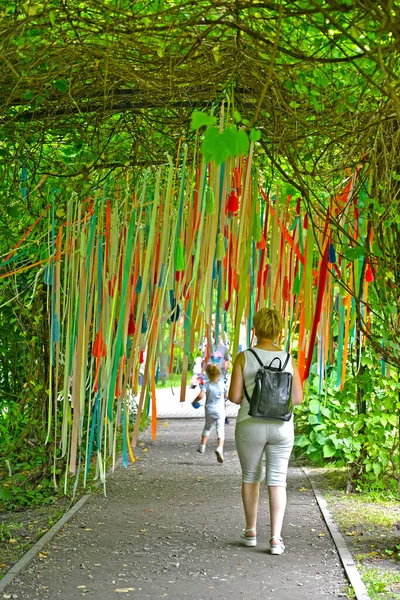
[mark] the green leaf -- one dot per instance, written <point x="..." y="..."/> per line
<point x="301" y="441"/>
<point x="214" y="147"/>
<point x="326" y="412"/>
<point x="377" y="468"/>
<point x="328" y="451"/>
<point x="32" y="8"/>
<point x="216" y="55"/>
<point x="321" y="439"/>
<point x="219" y="146"/>
<point x="199" y="119"/>
<point x="354" y="253"/>
<point x="5" y="494"/>
<point x="255" y="135"/>
<point x="237" y="116"/>
<point x="13" y="211"/>
<point x="313" y="407"/>
<point x="62" y="85"/>
<point x="243" y="143"/>
<point x="341" y="108"/>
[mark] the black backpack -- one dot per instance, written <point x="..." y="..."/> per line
<point x="271" y="397"/>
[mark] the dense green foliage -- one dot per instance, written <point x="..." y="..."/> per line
<point x="89" y="90"/>
<point x="331" y="426"/>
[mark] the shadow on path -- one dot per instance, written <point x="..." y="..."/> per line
<point x="169" y="529"/>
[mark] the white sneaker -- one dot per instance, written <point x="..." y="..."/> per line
<point x="201" y="449"/>
<point x="220" y="455"/>
<point x="246" y="540"/>
<point x="278" y="547"/>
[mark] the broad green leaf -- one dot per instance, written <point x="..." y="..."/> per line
<point x="326" y="412"/>
<point x="255" y="135"/>
<point x="313" y="407"/>
<point x="5" y="493"/>
<point x="214" y="147"/>
<point x="237" y="116"/>
<point x="219" y="146"/>
<point x="62" y="85"/>
<point x="243" y="143"/>
<point x="353" y="253"/>
<point x="13" y="211"/>
<point x="199" y="119"/>
<point x="301" y="441"/>
<point x="328" y="451"/>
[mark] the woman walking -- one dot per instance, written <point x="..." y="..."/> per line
<point x="256" y="437"/>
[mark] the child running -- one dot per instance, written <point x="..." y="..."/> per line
<point x="215" y="393"/>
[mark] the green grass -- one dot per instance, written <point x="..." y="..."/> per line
<point x="361" y="511"/>
<point x="381" y="585"/>
<point x="174" y="380"/>
<point x="369" y="522"/>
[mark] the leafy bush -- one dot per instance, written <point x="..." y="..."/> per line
<point x="356" y="427"/>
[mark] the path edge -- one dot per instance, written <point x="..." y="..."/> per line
<point x="26" y="558"/>
<point x="350" y="567"/>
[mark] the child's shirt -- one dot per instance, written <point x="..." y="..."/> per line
<point x="215" y="396"/>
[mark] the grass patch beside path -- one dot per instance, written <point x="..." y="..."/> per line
<point x="22" y="526"/>
<point x="370" y="524"/>
<point x="20" y="530"/>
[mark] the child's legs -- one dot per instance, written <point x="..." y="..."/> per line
<point x="220" y="427"/>
<point x="207" y="428"/>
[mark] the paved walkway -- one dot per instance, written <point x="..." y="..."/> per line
<point x="169" y="529"/>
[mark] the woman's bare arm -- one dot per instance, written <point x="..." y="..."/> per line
<point x="297" y="386"/>
<point x="236" y="387"/>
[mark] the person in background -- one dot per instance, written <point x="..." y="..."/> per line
<point x="215" y="392"/>
<point x="255" y="437"/>
<point x="242" y="335"/>
<point x="197" y="371"/>
<point x="222" y="358"/>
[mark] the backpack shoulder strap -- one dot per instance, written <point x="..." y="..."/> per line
<point x="256" y="355"/>
<point x="258" y="358"/>
<point x="286" y="362"/>
<point x="280" y="368"/>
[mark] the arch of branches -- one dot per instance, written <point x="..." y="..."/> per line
<point x="94" y="91"/>
<point x="88" y="89"/>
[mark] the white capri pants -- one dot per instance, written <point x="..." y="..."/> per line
<point x="253" y="438"/>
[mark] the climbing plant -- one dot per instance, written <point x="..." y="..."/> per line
<point x="92" y="94"/>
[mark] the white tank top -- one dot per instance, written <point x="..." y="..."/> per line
<point x="251" y="366"/>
